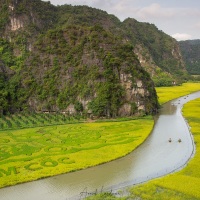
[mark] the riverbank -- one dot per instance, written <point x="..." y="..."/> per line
<point x="166" y="94"/>
<point x="34" y="153"/>
<point x="54" y="154"/>
<point x="182" y="185"/>
<point x="150" y="160"/>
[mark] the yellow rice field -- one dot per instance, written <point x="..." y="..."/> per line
<point x="33" y="153"/>
<point x="168" y="93"/>
<point x="30" y="154"/>
<point x="185" y="184"/>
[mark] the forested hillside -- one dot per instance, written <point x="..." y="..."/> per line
<point x="191" y="53"/>
<point x="80" y="60"/>
<point x="157" y="52"/>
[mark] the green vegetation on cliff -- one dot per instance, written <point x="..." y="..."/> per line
<point x="80" y="60"/>
<point x="158" y="49"/>
<point x="81" y="69"/>
<point x="191" y="53"/>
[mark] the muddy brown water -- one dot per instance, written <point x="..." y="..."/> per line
<point x="154" y="158"/>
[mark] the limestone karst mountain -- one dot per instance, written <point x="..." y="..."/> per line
<point x="81" y="60"/>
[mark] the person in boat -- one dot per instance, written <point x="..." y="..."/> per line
<point x="170" y="140"/>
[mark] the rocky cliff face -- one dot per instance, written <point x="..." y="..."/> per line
<point x="94" y="70"/>
<point x="22" y="20"/>
<point x="158" y="53"/>
<point x="5" y="70"/>
<point x="77" y="69"/>
<point x="146" y="59"/>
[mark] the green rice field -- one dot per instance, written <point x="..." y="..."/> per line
<point x="27" y="120"/>
<point x="33" y="153"/>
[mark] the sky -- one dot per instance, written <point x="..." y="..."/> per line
<point x="178" y="18"/>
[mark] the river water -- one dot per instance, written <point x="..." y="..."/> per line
<point x="154" y="158"/>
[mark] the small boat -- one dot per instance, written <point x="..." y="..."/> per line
<point x="179" y="140"/>
<point x="170" y="140"/>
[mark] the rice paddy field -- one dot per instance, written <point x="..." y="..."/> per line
<point x="33" y="153"/>
<point x="41" y="145"/>
<point x="166" y="94"/>
<point x="182" y="185"/>
<point x="27" y="120"/>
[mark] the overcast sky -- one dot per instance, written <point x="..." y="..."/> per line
<point x="178" y="18"/>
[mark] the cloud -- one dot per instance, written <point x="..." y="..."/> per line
<point x="197" y="25"/>
<point x="182" y="36"/>
<point x="124" y="9"/>
<point x="102" y="4"/>
<point x="155" y="11"/>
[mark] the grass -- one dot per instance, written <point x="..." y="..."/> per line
<point x="33" y="153"/>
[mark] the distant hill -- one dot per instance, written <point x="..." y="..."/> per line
<point x="191" y="53"/>
<point x="80" y="60"/>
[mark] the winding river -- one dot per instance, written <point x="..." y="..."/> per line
<point x="154" y="158"/>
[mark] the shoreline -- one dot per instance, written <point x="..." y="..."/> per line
<point x="110" y="165"/>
